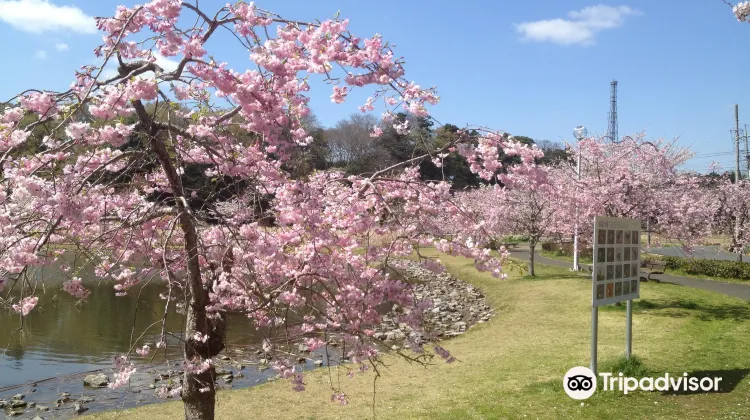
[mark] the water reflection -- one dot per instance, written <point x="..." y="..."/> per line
<point x="62" y="340"/>
<point x="60" y="336"/>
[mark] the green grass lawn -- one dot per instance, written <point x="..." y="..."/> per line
<point x="561" y="256"/>
<point x="512" y="366"/>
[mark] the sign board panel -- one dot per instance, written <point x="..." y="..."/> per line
<point x="617" y="260"/>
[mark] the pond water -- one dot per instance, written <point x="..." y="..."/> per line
<point x="61" y="342"/>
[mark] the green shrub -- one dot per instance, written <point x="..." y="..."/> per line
<point x="632" y="367"/>
<point x="550" y="246"/>
<point x="515" y="238"/>
<point x="565" y="249"/>
<point x="494" y="244"/>
<point x="713" y="268"/>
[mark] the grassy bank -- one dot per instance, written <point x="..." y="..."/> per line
<point x="512" y="366"/>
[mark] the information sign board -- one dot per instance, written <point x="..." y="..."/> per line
<point x="617" y="260"/>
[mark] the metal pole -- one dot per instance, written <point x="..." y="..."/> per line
<point x="575" y="234"/>
<point x="737" y="174"/>
<point x="594" y="334"/>
<point x="747" y="175"/>
<point x="737" y="142"/>
<point x="629" y="330"/>
<point x="747" y="155"/>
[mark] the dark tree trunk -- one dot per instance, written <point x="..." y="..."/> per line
<point x="201" y="405"/>
<point x="532" y="246"/>
<point x="198" y="405"/>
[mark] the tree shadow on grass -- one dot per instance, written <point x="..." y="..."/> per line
<point x="730" y="378"/>
<point x="721" y="312"/>
<point x="681" y="308"/>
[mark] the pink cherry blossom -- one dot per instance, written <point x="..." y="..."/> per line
<point x="124" y="369"/>
<point x="402" y="128"/>
<point x="339" y="94"/>
<point x="742" y="10"/>
<point x="12" y="115"/>
<point x="44" y="104"/>
<point x="127" y="138"/>
<point x="75" y="289"/>
<point x="26" y="305"/>
<point x="638" y="179"/>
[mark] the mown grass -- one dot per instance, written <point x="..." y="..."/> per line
<point x="512" y="366"/>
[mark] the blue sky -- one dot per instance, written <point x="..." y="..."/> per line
<point x="531" y="68"/>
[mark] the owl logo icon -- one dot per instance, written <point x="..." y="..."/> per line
<point x="579" y="383"/>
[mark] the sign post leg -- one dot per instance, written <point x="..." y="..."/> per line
<point x="594" y="333"/>
<point x="629" y="329"/>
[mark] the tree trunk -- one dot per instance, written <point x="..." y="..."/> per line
<point x="198" y="405"/>
<point x="201" y="405"/>
<point x="531" y="259"/>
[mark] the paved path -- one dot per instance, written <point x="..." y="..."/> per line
<point x="741" y="291"/>
<point x="703" y="252"/>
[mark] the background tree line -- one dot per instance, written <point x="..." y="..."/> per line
<point x="348" y="146"/>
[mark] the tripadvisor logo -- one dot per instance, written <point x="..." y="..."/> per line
<point x="581" y="383"/>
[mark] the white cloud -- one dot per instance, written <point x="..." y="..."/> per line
<point x="165" y="63"/>
<point x="580" y="27"/>
<point x="41" y="54"/>
<point x="37" y="16"/>
<point x="108" y="73"/>
<point x="61" y="46"/>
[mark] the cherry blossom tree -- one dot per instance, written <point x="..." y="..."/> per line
<point x="733" y="215"/>
<point x="525" y="201"/>
<point x="107" y="182"/>
<point x="638" y="179"/>
<point x="741" y="11"/>
<point x="733" y="211"/>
